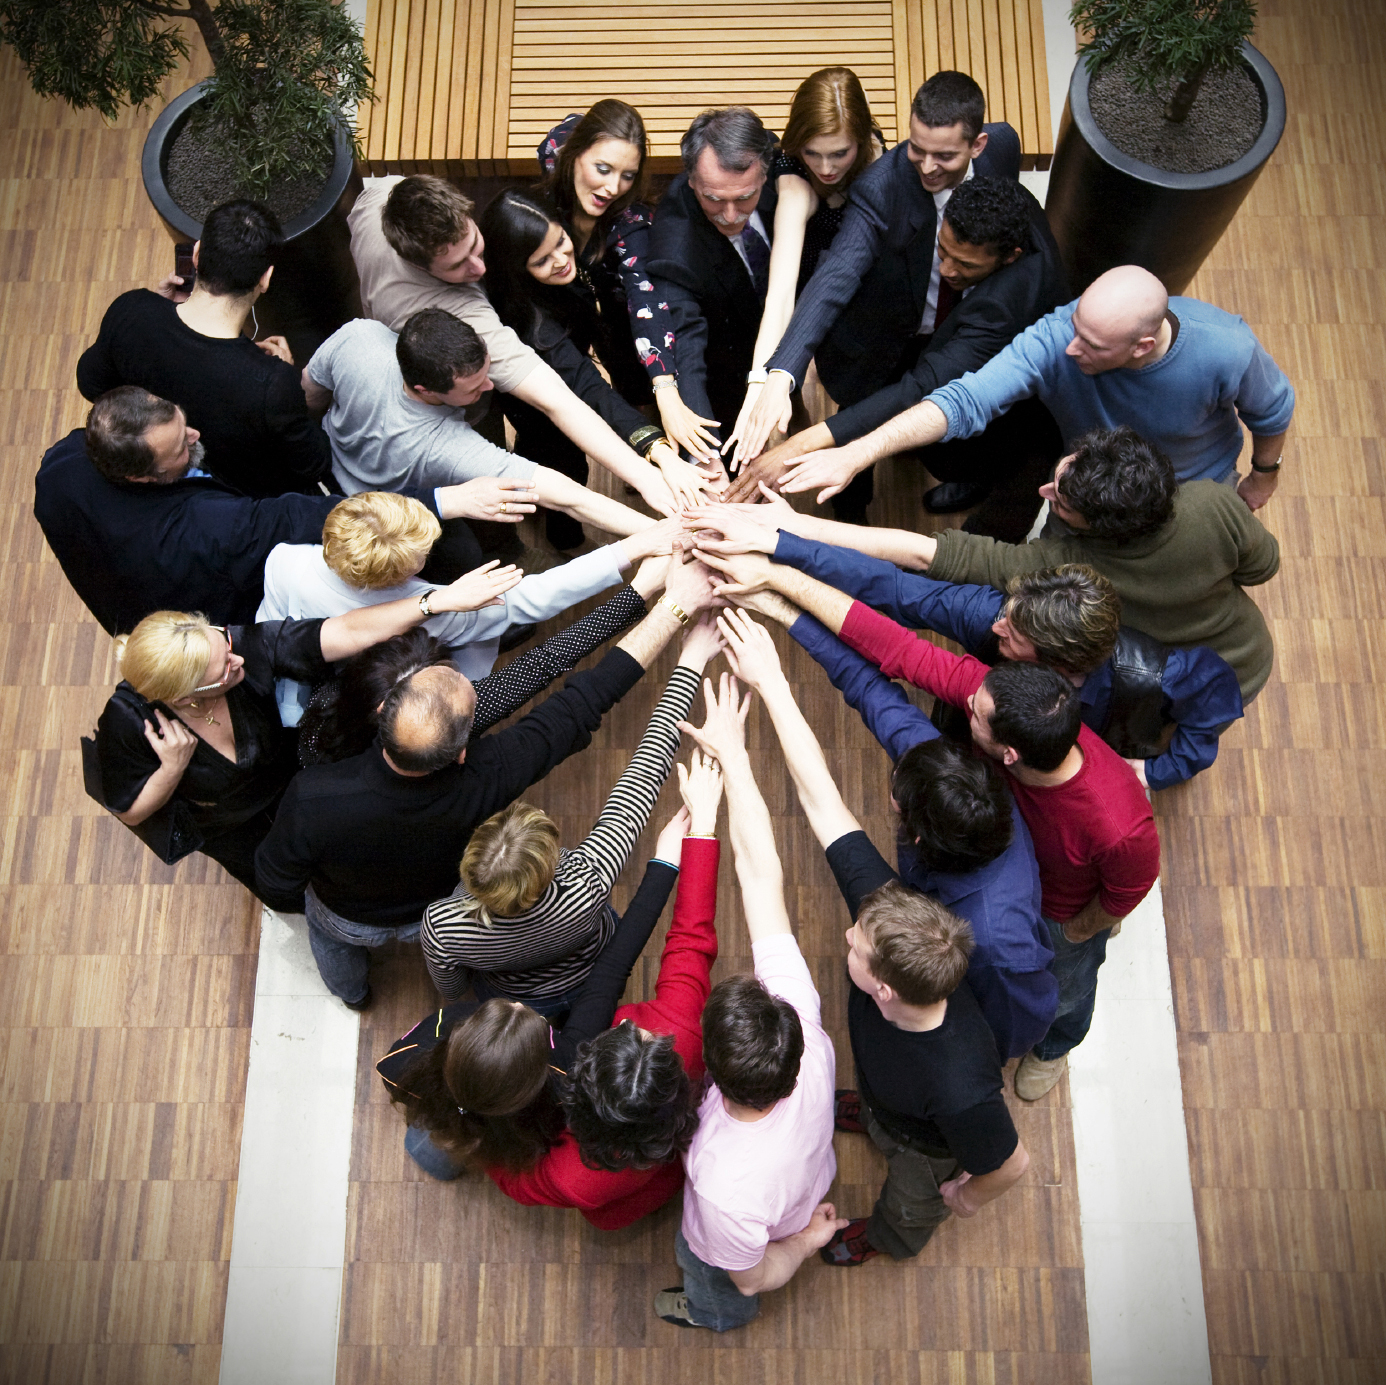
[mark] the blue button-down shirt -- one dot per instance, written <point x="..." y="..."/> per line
<point x="1201" y="693"/>
<point x="1007" y="971"/>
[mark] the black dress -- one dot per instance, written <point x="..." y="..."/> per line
<point x="230" y="804"/>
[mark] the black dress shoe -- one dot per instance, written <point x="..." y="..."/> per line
<point x="953" y="496"/>
<point x="363" y="1004"/>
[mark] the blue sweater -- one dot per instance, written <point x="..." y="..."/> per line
<point x="1187" y="402"/>
<point x="1200" y="687"/>
<point x="1007" y="971"/>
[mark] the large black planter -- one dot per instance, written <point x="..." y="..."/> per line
<point x="1108" y="209"/>
<point x="315" y="288"/>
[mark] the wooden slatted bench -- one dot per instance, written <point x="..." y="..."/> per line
<point x="469" y="87"/>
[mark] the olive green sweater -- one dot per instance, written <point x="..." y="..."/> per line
<point x="1183" y="584"/>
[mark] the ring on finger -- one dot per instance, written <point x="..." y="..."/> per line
<point x="505" y="507"/>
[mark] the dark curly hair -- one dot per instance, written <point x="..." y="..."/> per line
<point x="753" y="1042"/>
<point x="990" y="212"/>
<point x="628" y="1100"/>
<point x="1121" y="484"/>
<point x="954" y="805"/>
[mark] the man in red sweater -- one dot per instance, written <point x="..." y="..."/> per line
<point x="1089" y="817"/>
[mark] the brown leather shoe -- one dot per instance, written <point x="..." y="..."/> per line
<point x="1035" y="1076"/>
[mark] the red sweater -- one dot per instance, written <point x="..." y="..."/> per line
<point x="1094" y="834"/>
<point x="611" y="1200"/>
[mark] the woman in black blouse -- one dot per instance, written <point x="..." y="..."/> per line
<point x="189" y="751"/>
<point x="829" y="140"/>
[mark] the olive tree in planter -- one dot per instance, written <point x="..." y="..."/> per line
<point x="1142" y="173"/>
<point x="273" y="121"/>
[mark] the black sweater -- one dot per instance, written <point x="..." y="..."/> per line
<point x="248" y="406"/>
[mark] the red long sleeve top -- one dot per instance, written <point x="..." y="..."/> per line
<point x="611" y="1200"/>
<point x="1094" y="834"/>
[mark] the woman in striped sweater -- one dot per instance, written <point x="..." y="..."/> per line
<point x="529" y="918"/>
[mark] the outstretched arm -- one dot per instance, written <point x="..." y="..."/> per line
<point x="752" y="654"/>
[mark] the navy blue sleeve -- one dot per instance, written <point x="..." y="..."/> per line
<point x="1202" y="697"/>
<point x="888" y="713"/>
<point x="961" y="612"/>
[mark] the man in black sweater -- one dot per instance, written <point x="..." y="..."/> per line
<point x="928" y="1072"/>
<point x="373" y="840"/>
<point x="243" y="397"/>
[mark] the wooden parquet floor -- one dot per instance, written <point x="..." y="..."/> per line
<point x="126" y="988"/>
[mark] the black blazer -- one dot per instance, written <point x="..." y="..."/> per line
<point x="711" y="298"/>
<point x="867" y="296"/>
<point x="991" y="315"/>
<point x="193" y="545"/>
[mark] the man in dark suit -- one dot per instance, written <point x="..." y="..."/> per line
<point x="874" y="300"/>
<point x="710" y="256"/>
<point x="1001" y="271"/>
<point x="137" y="526"/>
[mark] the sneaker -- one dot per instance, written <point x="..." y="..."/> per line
<point x="849" y="1246"/>
<point x="672" y="1306"/>
<point x="1035" y="1076"/>
<point x="847" y="1111"/>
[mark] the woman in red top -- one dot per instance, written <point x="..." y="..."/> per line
<point x="630" y="1096"/>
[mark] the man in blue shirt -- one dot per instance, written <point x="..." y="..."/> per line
<point x="998" y="889"/>
<point x="1178" y="371"/>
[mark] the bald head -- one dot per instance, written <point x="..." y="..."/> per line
<point x="426" y="720"/>
<point x="1119" y="320"/>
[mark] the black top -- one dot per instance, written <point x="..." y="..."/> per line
<point x="378" y="847"/>
<point x="220" y="793"/>
<point x="248" y="405"/>
<point x="130" y="548"/>
<point x="595" y="1005"/>
<point x="939" y="1089"/>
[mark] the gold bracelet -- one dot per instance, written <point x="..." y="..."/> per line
<point x="680" y="614"/>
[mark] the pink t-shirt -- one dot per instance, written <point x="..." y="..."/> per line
<point x="753" y="1182"/>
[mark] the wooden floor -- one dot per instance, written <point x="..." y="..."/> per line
<point x="126" y="987"/>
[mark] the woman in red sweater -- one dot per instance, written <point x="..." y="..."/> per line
<point x="631" y="1094"/>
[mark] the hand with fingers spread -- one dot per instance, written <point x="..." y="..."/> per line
<point x="700" y="786"/>
<point x="653" y="541"/>
<point x="743" y="528"/>
<point x="695" y="434"/>
<point x="771" y="465"/>
<point x="723" y="733"/>
<point x="702" y="643"/>
<point x="481" y="587"/>
<point x="741" y="573"/>
<point x="687" y="482"/>
<point x="831" y="469"/>
<point x="172" y="742"/>
<point x="502" y="499"/>
<point x="278" y="347"/>
<point x="765" y="410"/>
<point x="750" y="651"/>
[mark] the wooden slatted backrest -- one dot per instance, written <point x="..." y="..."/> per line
<point x="472" y="86"/>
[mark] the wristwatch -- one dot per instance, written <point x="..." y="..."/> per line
<point x="1274" y="466"/>
<point x="423" y="602"/>
<point x="758" y="376"/>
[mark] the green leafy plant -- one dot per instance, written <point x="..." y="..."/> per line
<point x="286" y="72"/>
<point x="1165" y="41"/>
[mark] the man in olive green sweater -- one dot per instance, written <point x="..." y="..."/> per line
<point x="1178" y="556"/>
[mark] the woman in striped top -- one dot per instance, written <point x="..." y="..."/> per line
<point x="529" y="918"/>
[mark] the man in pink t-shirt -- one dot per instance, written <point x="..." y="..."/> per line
<point x="762" y="1158"/>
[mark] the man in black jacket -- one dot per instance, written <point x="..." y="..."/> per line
<point x="1001" y="267"/>
<point x="710" y="256"/>
<point x="875" y="298"/>
<point x="242" y="396"/>
<point x="137" y="526"/>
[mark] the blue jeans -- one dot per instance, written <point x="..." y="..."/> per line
<point x="554" y="1007"/>
<point x="1075" y="967"/>
<point x="713" y="1300"/>
<point x="437" y="1163"/>
<point x="341" y="948"/>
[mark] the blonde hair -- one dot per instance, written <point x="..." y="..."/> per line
<point x="511" y="860"/>
<point x="376" y="540"/>
<point x="827" y="101"/>
<point x="165" y="656"/>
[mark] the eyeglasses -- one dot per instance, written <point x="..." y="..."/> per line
<point x="225" y="633"/>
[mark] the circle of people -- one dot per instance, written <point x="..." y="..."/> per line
<point x="311" y="575"/>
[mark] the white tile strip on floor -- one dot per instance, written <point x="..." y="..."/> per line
<point x="289" y="1241"/>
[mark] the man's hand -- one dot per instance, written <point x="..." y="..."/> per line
<point x="765" y="410"/>
<point x="832" y="469"/>
<point x="823" y="1225"/>
<point x="172" y="289"/>
<point x="277" y="347"/>
<point x="685" y="429"/>
<point x="502" y="499"/>
<point x="701" y="644"/>
<point x="481" y="587"/>
<point x="655" y="540"/>
<point x="1090" y="921"/>
<point x="750" y="651"/>
<point x="689" y="585"/>
<point x="745" y="573"/>
<point x="1256" y="487"/>
<point x="953" y="1195"/>
<point x="654" y="491"/>
<point x="700" y="786"/>
<point x="771" y="465"/>
<point x="723" y="733"/>
<point x="744" y="528"/>
<point x="686" y="482"/>
<point x="771" y="605"/>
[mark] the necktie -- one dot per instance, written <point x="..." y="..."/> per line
<point x="948" y="299"/>
<point x="757" y="259"/>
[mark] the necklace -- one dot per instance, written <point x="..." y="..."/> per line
<point x="206" y="716"/>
